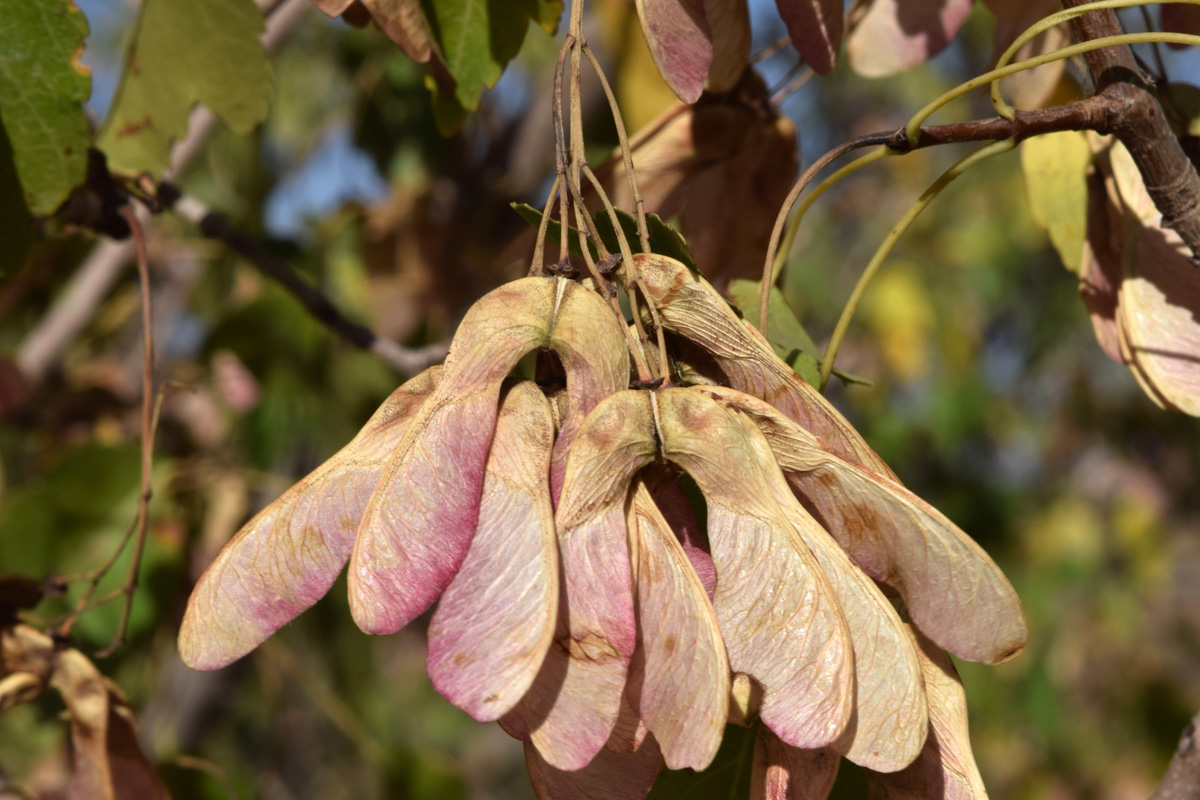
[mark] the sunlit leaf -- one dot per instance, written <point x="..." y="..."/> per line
<point x="477" y="40"/>
<point x="815" y="28"/>
<point x="43" y="85"/>
<point x="1055" y="168"/>
<point x="202" y="51"/>
<point x="681" y="42"/>
<point x="897" y="34"/>
<point x="1139" y="284"/>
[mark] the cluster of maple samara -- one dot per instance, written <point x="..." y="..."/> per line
<point x="582" y="605"/>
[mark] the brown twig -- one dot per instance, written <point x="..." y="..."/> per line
<point x="1138" y="121"/>
<point x="215" y="225"/>
<point x="143" y="511"/>
<point x="1182" y="781"/>
<point x="97" y="274"/>
<point x="1094" y="113"/>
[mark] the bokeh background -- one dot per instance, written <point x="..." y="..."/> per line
<point x="990" y="399"/>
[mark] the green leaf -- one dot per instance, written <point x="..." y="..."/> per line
<point x="199" y="51"/>
<point x="728" y="776"/>
<point x="786" y="335"/>
<point x="477" y="39"/>
<point x="41" y="88"/>
<point x="1055" y="167"/>
<point x="16" y="223"/>
<point x="664" y="239"/>
<point x="783" y="328"/>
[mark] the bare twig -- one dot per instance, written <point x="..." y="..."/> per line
<point x="215" y="226"/>
<point x="1092" y="113"/>
<point x="143" y="512"/>
<point x="1182" y="781"/>
<point x="1137" y="120"/>
<point x="98" y="272"/>
<point x="73" y="308"/>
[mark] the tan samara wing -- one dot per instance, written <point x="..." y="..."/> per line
<point x="286" y="558"/>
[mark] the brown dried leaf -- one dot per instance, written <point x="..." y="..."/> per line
<point x="402" y="20"/>
<point x="108" y="764"/>
<point x="1180" y="19"/>
<point x="26" y="663"/>
<point x="1032" y="88"/>
<point x="722" y="167"/>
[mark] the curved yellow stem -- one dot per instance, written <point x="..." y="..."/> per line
<point x="885" y="249"/>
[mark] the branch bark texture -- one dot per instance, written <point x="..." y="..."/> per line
<point x="1182" y="781"/>
<point x="1137" y="120"/>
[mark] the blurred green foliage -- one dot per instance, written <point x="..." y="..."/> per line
<point x="989" y="398"/>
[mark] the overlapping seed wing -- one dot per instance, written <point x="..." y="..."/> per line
<point x="782" y="772"/>
<point x="679" y="679"/>
<point x="611" y="775"/>
<point x="676" y="509"/>
<point x="496" y="619"/>
<point x="889" y="725"/>
<point x="420" y="520"/>
<point x="570" y="710"/>
<point x="777" y="613"/>
<point x="954" y="591"/>
<point x="286" y="558"/>
<point x="691" y="307"/>
<point x="591" y="347"/>
<point x="946" y="767"/>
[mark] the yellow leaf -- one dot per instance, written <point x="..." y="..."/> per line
<point x="898" y="310"/>
<point x="1055" y="167"/>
